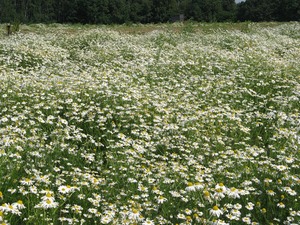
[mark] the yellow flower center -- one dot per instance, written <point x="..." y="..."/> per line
<point x="219" y="190"/>
<point x="215" y="208"/>
<point x="135" y="211"/>
<point x="190" y="184"/>
<point x="20" y="202"/>
<point x="188" y="218"/>
<point x="206" y="193"/>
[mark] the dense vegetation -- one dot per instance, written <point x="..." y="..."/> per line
<point x="146" y="11"/>
<point x="181" y="123"/>
<point x="269" y="10"/>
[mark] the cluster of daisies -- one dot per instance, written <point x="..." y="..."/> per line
<point x="166" y="126"/>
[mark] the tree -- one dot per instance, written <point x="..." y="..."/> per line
<point x="8" y="10"/>
<point x="146" y="11"/>
<point x="228" y="12"/>
<point x="289" y="10"/>
<point x="140" y="11"/>
<point x="269" y="10"/>
<point x="118" y="11"/>
<point x="65" y="11"/>
<point x="205" y="10"/>
<point x="162" y="11"/>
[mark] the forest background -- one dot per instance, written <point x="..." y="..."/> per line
<point x="146" y="11"/>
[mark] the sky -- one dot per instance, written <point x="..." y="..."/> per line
<point x="238" y="1"/>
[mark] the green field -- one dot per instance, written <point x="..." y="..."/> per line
<point x="188" y="123"/>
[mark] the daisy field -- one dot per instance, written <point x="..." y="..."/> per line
<point x="185" y="123"/>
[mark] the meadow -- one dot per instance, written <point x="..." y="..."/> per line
<point x="188" y="123"/>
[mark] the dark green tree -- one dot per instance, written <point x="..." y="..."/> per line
<point x="269" y="10"/>
<point x="119" y="11"/>
<point x="289" y="10"/>
<point x="140" y="11"/>
<point x="228" y="12"/>
<point x="162" y="11"/>
<point x="8" y="11"/>
<point x="98" y="11"/>
<point x="206" y="10"/>
<point x="65" y="11"/>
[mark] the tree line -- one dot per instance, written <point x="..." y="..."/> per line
<point x="146" y="11"/>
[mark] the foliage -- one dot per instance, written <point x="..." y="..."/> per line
<point x="114" y="11"/>
<point x="146" y="11"/>
<point x="269" y="10"/>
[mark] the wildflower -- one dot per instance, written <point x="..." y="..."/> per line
<point x="1" y="195"/>
<point x="233" y="193"/>
<point x="47" y="204"/>
<point x="161" y="199"/>
<point x="6" y="207"/>
<point x="26" y="181"/>
<point x="1" y="216"/>
<point x="281" y="168"/>
<point x="49" y="195"/>
<point x="33" y="189"/>
<point x="77" y="209"/>
<point x="106" y="219"/>
<point x="188" y="211"/>
<point x="2" y="152"/>
<point x="175" y="194"/>
<point x="270" y="192"/>
<point x="188" y="218"/>
<point x="148" y="222"/>
<point x="218" y="222"/>
<point x="232" y="217"/>
<point x="221" y="186"/>
<point x="237" y="206"/>
<point x="48" y="200"/>
<point x="289" y="160"/>
<point x="249" y="206"/>
<point x="142" y="188"/>
<point x="246" y="220"/>
<point x="190" y="187"/>
<point x="267" y="181"/>
<point x="215" y="211"/>
<point x="290" y="191"/>
<point x="207" y="195"/>
<point x="181" y="216"/>
<point x="134" y="214"/>
<point x="281" y="205"/>
<point x="65" y="189"/>
<point x="219" y="193"/>
<point x="236" y="212"/>
<point x="19" y="205"/>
